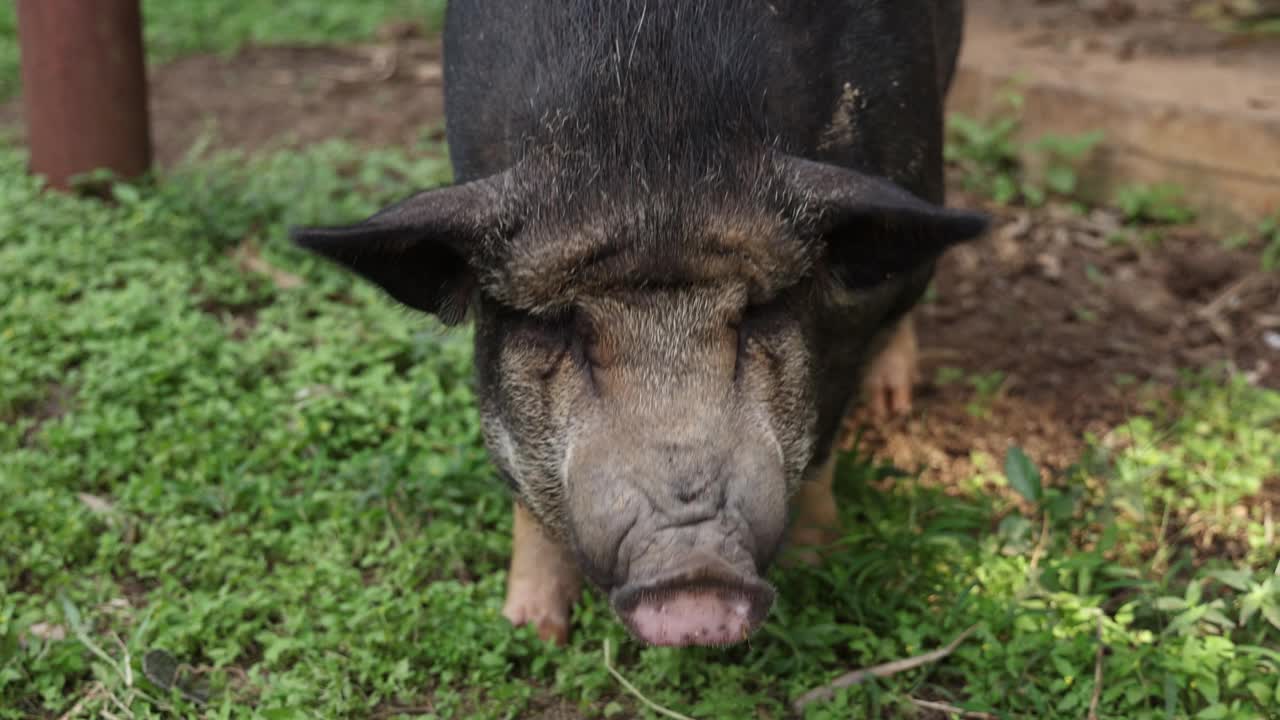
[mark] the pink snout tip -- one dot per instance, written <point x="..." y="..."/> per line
<point x="696" y="614"/>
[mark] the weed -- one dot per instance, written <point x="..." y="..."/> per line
<point x="986" y="387"/>
<point x="1084" y="314"/>
<point x="1268" y="238"/>
<point x="1063" y="155"/>
<point x="10" y="68"/>
<point x="1240" y="17"/>
<point x="987" y="153"/>
<point x="1269" y="231"/>
<point x="997" y="164"/>
<point x="1159" y="204"/>
<point x="947" y="375"/>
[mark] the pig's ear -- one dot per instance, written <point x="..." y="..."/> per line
<point x="419" y="250"/>
<point x="871" y="223"/>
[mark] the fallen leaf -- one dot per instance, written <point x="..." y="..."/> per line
<point x="97" y="505"/>
<point x="48" y="632"/>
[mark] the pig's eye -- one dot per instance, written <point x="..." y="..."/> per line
<point x="581" y="335"/>
<point x="538" y="336"/>
<point x="586" y="343"/>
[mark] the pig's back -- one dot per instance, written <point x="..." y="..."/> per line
<point x="857" y="83"/>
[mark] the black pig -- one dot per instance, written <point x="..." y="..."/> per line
<point x="688" y="232"/>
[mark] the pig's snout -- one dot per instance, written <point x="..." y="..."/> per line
<point x="678" y="532"/>
<point x="711" y="604"/>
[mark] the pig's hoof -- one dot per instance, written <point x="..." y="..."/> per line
<point x="545" y="608"/>
<point x="543" y="582"/>
<point x="893" y="373"/>
<point x="889" y="396"/>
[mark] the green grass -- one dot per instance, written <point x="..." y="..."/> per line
<point x="1240" y="17"/>
<point x="1265" y="239"/>
<point x="1160" y="204"/>
<point x="176" y="28"/>
<point x="224" y="495"/>
<point x="283" y="489"/>
<point x="10" y="69"/>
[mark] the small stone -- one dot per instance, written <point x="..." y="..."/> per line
<point x="1110" y="11"/>
<point x="1200" y="272"/>
<point x="1148" y="300"/>
<point x="1050" y="266"/>
<point x="48" y="632"/>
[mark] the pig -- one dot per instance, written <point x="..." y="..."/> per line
<point x="687" y="234"/>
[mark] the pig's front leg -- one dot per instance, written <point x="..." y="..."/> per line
<point x="543" y="582"/>
<point x="889" y="381"/>
<point x="814" y="519"/>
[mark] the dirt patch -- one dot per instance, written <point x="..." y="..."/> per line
<point x="1074" y="322"/>
<point x="1132" y="29"/>
<point x="239" y="319"/>
<point x="55" y="403"/>
<point x="266" y="97"/>
<point x="259" y="98"/>
<point x="1047" y="328"/>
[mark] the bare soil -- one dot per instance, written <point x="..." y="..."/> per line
<point x="263" y="98"/>
<point x="1077" y="324"/>
<point x="1074" y="323"/>
<point x="1132" y="29"/>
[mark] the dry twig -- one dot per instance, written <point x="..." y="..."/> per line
<point x="1212" y="311"/>
<point x="635" y="691"/>
<point x="250" y="259"/>
<point x="1038" y="551"/>
<point x="82" y="634"/>
<point x="890" y="668"/>
<point x="94" y="691"/>
<point x="1097" y="675"/>
<point x="1268" y="526"/>
<point x="120" y="704"/>
<point x="951" y="709"/>
<point x="383" y="63"/>
<point x="393" y="710"/>
<point x="127" y="663"/>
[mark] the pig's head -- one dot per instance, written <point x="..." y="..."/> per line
<point x="658" y="371"/>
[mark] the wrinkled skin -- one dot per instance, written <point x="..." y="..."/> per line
<point x="687" y="233"/>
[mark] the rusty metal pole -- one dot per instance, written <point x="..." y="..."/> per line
<point x="84" y="87"/>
